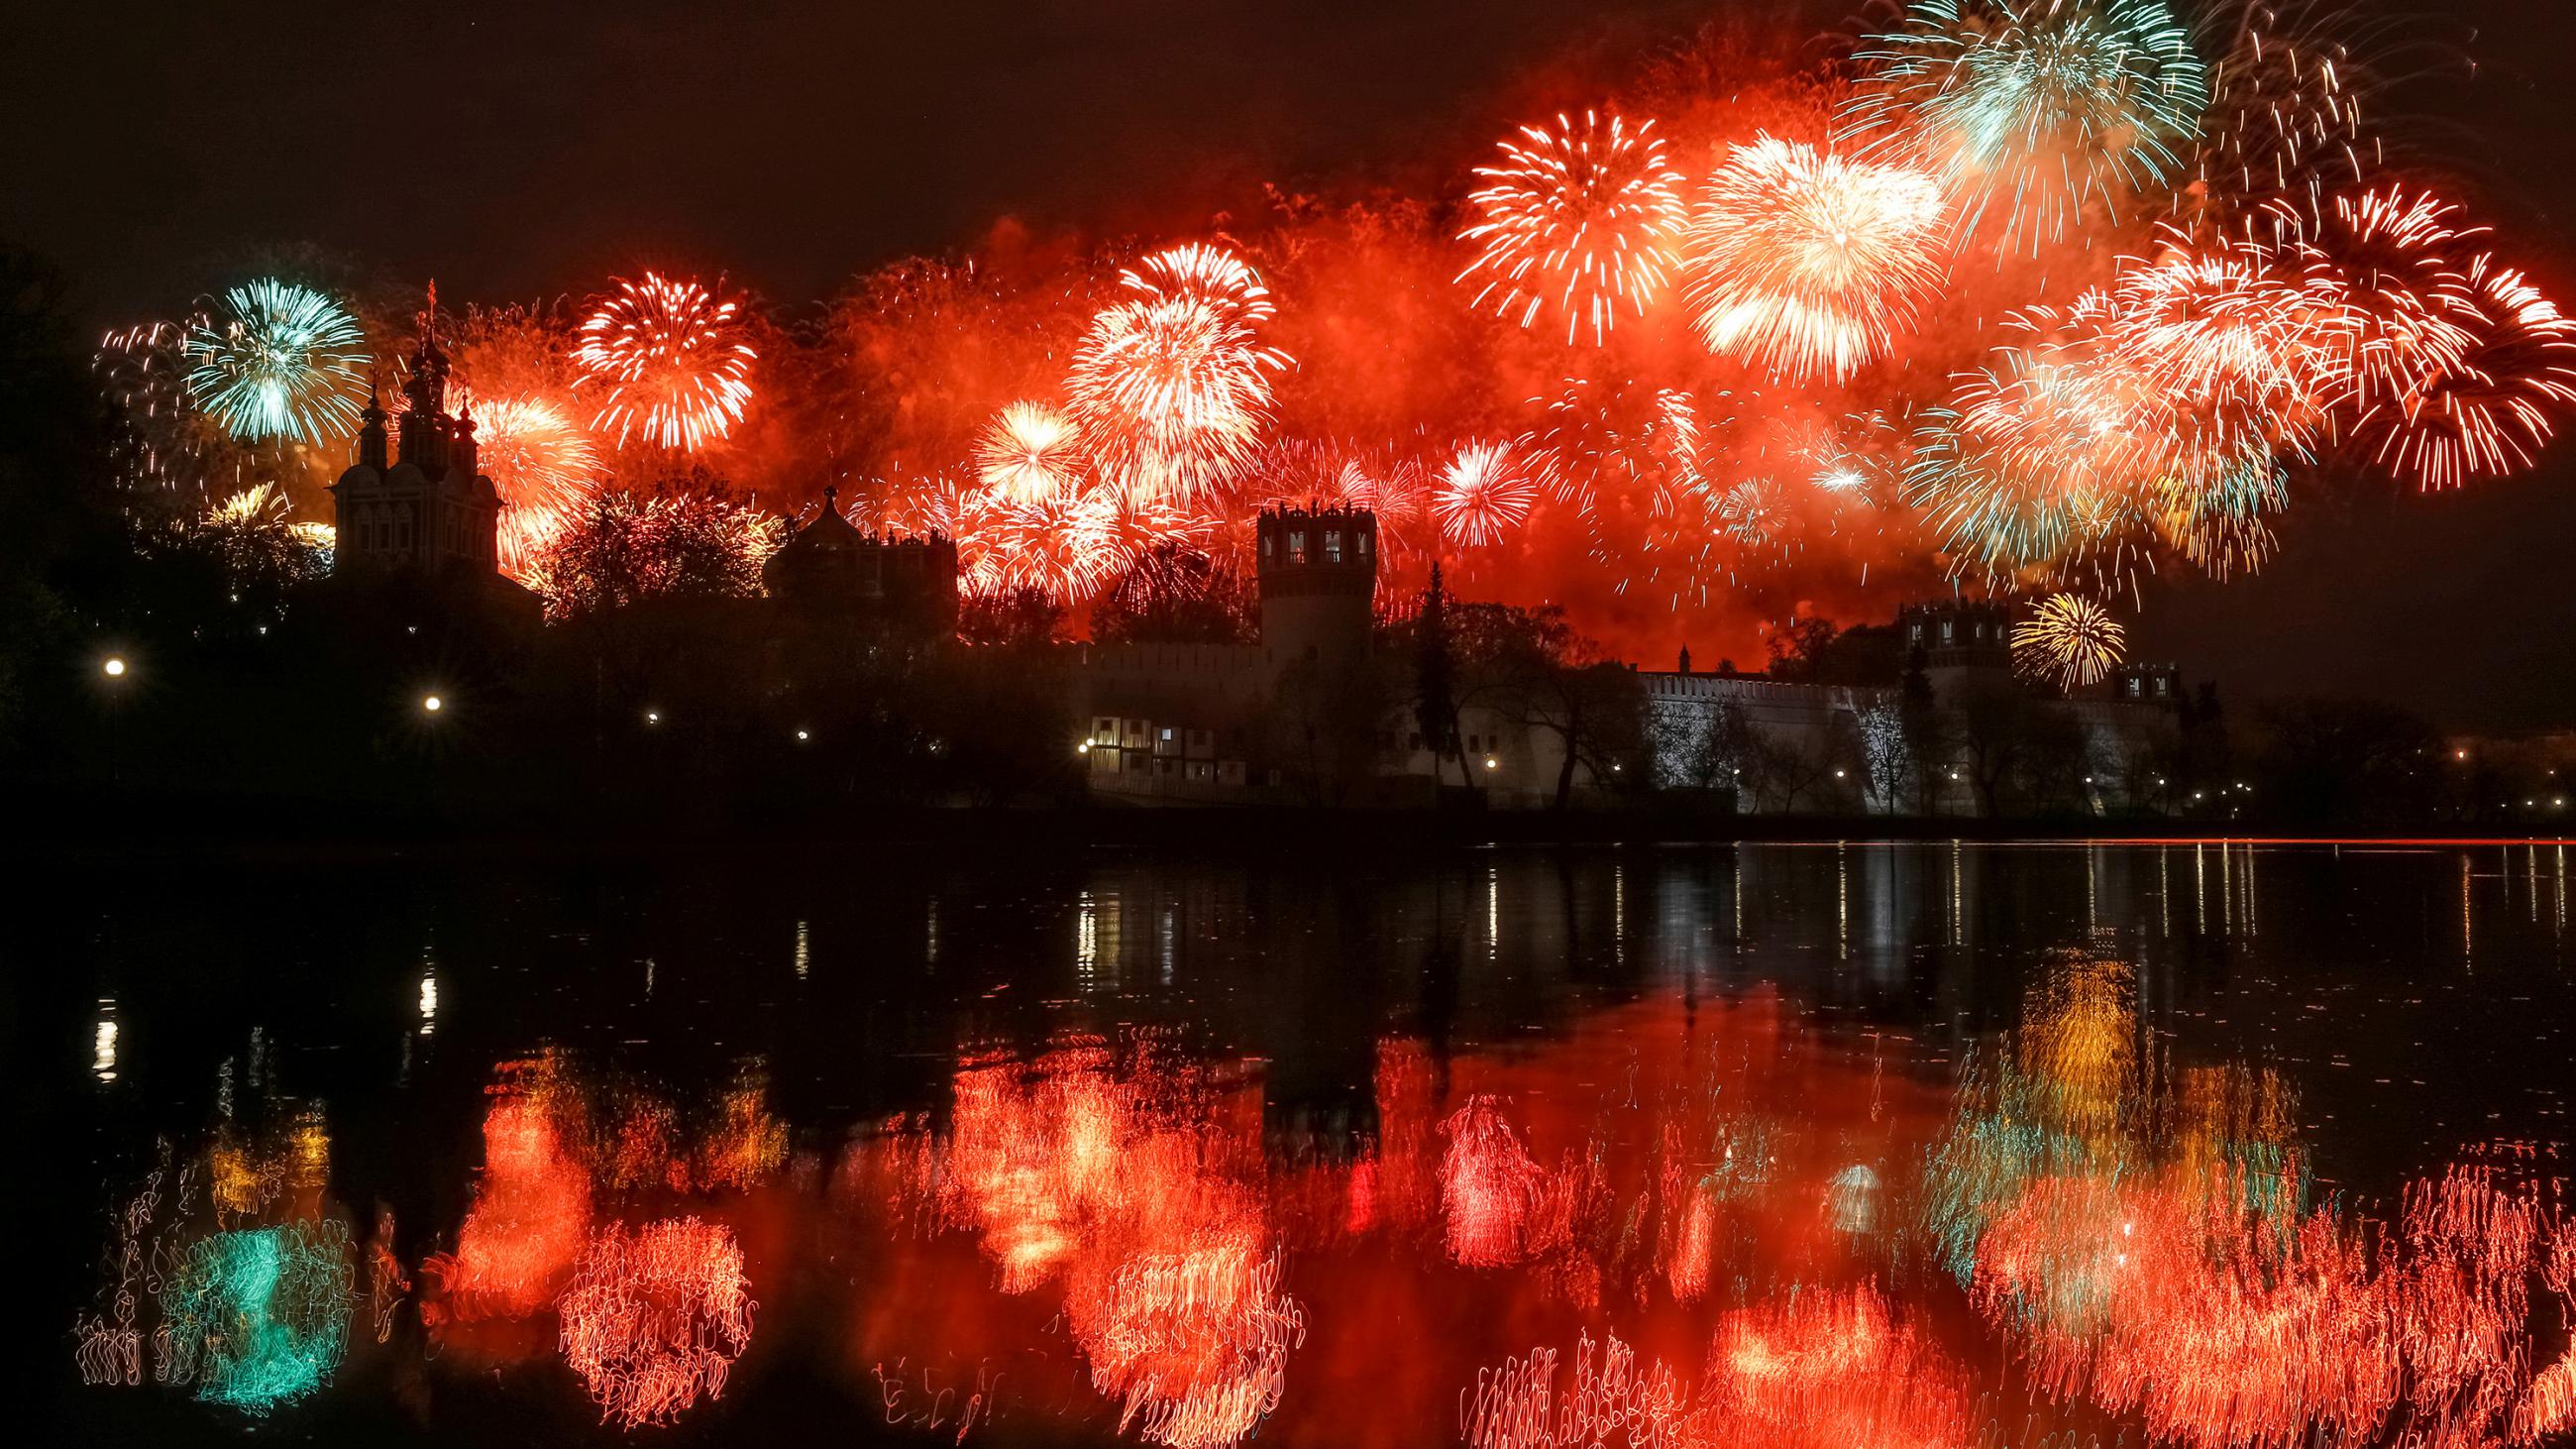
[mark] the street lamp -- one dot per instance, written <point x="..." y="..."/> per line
<point x="113" y="668"/>
<point x="1492" y="764"/>
<point x="802" y="736"/>
<point x="431" y="704"/>
<point x="652" y="716"/>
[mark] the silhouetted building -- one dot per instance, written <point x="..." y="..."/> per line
<point x="2147" y="683"/>
<point x="828" y="571"/>
<point x="1318" y="571"/>
<point x="1181" y="720"/>
<point x="427" y="509"/>
<point x="1956" y="635"/>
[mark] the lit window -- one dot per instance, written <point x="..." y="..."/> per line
<point x="1332" y="545"/>
<point x="1297" y="546"/>
<point x="1364" y="545"/>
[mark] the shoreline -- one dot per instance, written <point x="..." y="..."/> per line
<point x="109" y="831"/>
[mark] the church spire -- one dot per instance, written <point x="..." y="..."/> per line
<point x="425" y="421"/>
<point x="371" y="432"/>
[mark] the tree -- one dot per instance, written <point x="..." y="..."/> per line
<point x="1025" y="618"/>
<point x="1930" y="741"/>
<point x="2056" y="760"/>
<point x="1813" y="651"/>
<point x="1597" y="712"/>
<point x="1887" y="756"/>
<point x="1435" y="683"/>
<point x="1528" y="667"/>
<point x="1798" y="649"/>
<point x="2345" y="761"/>
<point x="1176" y="595"/>
<point x="1786" y="769"/>
<point x="624" y="548"/>
<point x="1994" y="727"/>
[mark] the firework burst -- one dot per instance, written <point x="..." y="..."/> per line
<point x="280" y="362"/>
<point x="2284" y="125"/>
<point x="1809" y="264"/>
<point x="1615" y="438"/>
<point x="1029" y="451"/>
<point x="2449" y="365"/>
<point x="2491" y="414"/>
<point x="2035" y="463"/>
<point x="161" y="444"/>
<point x="544" y="467"/>
<point x="1484" y="495"/>
<point x="670" y="362"/>
<point x="2033" y="109"/>
<point x="2229" y="329"/>
<point x="1578" y="219"/>
<point x="2069" y="640"/>
<point x="1171" y="387"/>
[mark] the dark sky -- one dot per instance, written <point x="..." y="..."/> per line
<point x="524" y="150"/>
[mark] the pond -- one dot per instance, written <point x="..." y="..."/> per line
<point x="2050" y="1144"/>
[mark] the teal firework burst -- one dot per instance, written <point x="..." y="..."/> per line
<point x="2034" y="110"/>
<point x="278" y="361"/>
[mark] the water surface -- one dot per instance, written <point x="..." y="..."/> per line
<point x="1890" y="1143"/>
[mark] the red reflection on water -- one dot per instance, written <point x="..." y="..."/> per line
<point x="1490" y="1190"/>
<point x="1136" y="1187"/>
<point x="529" y="1222"/>
<point x="656" y="1317"/>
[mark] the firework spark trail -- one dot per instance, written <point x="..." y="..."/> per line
<point x="1582" y="218"/>
<point x="2069" y="640"/>
<point x="655" y="1317"/>
<point x="278" y="362"/>
<point x="259" y="1317"/>
<point x="544" y="468"/>
<point x="670" y="361"/>
<point x="1030" y="451"/>
<point x="1807" y="263"/>
<point x="2033" y="110"/>
<point x="529" y="1222"/>
<point x="1119" y="1188"/>
<point x="1171" y="388"/>
<point x="2284" y="127"/>
<point x="1484" y="495"/>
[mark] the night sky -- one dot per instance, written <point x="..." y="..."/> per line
<point x="518" y="151"/>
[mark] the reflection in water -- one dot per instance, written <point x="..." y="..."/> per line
<point x="656" y="1317"/>
<point x="102" y="1060"/>
<point x="1692" y="1209"/>
<point x="257" y="1317"/>
<point x="1135" y="1192"/>
<point x="531" y="1214"/>
<point x="246" y="1282"/>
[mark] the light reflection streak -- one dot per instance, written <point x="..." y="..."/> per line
<point x="102" y="1058"/>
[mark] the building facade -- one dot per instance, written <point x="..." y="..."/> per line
<point x="427" y="508"/>
<point x="1188" y="721"/>
<point x="829" y="572"/>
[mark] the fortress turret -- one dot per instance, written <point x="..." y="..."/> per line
<point x="1318" y="570"/>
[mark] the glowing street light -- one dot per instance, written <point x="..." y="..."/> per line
<point x="113" y="667"/>
<point x="431" y="704"/>
<point x="802" y="736"/>
<point x="1492" y="764"/>
<point x="652" y="716"/>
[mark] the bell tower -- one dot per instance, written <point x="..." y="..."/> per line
<point x="428" y="508"/>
